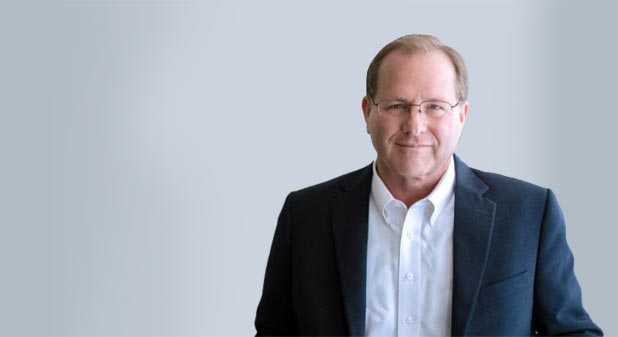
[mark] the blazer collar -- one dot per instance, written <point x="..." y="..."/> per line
<point x="473" y="225"/>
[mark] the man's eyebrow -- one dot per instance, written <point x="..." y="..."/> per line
<point x="403" y="99"/>
<point x="436" y="99"/>
<point x="398" y="98"/>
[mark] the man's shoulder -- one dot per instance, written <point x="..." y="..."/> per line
<point x="515" y="196"/>
<point x="335" y="186"/>
<point x="497" y="179"/>
<point x="509" y="187"/>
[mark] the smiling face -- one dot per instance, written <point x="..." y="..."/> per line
<point x="415" y="148"/>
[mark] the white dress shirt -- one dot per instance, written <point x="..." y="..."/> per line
<point x="410" y="261"/>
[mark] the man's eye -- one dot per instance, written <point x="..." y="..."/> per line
<point x="436" y="107"/>
<point x="397" y="106"/>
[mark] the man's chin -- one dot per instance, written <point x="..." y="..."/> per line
<point x="408" y="170"/>
<point x="413" y="173"/>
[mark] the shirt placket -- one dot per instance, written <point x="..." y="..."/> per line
<point x="409" y="285"/>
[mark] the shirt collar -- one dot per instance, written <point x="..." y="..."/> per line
<point x="443" y="192"/>
<point x="380" y="193"/>
<point x="438" y="198"/>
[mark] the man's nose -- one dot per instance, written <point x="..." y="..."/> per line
<point x="415" y="121"/>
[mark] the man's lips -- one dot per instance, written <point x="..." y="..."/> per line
<point x="414" y="146"/>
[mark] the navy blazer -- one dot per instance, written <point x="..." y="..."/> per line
<point x="512" y="268"/>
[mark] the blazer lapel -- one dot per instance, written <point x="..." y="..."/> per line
<point x="350" y="221"/>
<point x="473" y="225"/>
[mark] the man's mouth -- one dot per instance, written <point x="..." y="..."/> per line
<point x="414" y="146"/>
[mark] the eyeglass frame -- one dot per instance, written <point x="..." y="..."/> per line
<point x="452" y="106"/>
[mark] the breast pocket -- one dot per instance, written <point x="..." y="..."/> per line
<point x="505" y="288"/>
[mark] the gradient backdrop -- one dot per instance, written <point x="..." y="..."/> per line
<point x="146" y="148"/>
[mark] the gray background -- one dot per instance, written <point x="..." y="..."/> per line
<point x="146" y="148"/>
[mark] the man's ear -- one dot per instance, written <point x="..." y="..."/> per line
<point x="366" y="106"/>
<point x="463" y="113"/>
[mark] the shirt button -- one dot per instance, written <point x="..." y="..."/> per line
<point x="408" y="320"/>
<point x="409" y="235"/>
<point x="409" y="276"/>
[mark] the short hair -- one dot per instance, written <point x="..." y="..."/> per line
<point x="419" y="43"/>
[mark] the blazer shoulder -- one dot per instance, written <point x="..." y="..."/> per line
<point x="504" y="187"/>
<point x="335" y="186"/>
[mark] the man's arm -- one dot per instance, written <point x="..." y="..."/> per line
<point x="558" y="308"/>
<point x="275" y="312"/>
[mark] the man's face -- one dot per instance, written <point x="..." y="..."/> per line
<point x="415" y="147"/>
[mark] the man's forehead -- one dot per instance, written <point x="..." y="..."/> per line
<point x="430" y="74"/>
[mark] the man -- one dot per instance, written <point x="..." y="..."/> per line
<point x="418" y="243"/>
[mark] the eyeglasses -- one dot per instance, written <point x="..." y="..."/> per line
<point x="398" y="108"/>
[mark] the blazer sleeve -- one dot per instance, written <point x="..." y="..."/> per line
<point x="275" y="313"/>
<point x="558" y="308"/>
